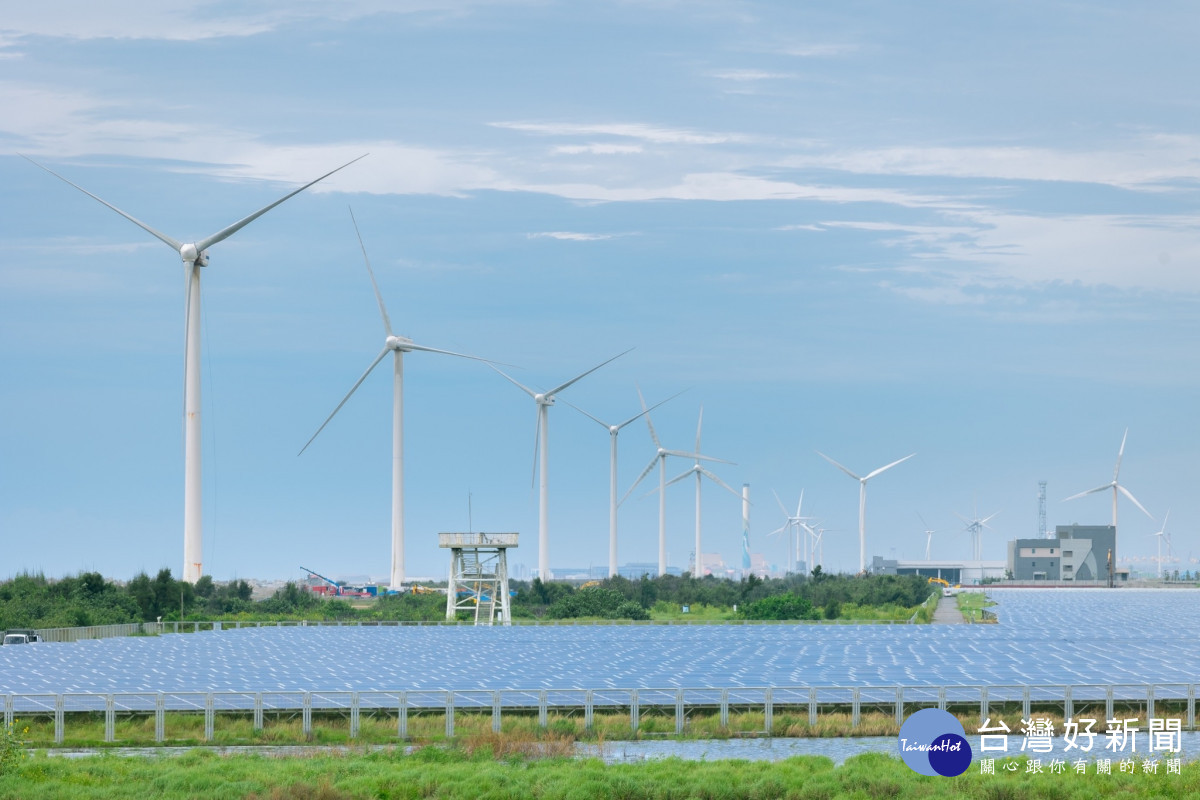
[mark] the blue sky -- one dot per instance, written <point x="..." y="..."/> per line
<point x="868" y="229"/>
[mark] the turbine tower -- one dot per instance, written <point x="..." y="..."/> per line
<point x="397" y="346"/>
<point x="862" y="503"/>
<point x="699" y="471"/>
<point x="194" y="256"/>
<point x="660" y="458"/>
<point x="1115" y="487"/>
<point x="541" y="448"/>
<point x="613" y="431"/>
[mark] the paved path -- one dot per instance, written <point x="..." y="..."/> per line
<point x="947" y="612"/>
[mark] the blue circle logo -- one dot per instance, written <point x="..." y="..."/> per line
<point x="933" y="742"/>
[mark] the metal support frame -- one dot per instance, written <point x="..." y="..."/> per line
<point x="479" y="576"/>
<point x="208" y="717"/>
<point x="160" y="717"/>
<point x="110" y="721"/>
<point x="450" y="715"/>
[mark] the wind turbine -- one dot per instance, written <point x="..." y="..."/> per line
<point x="1116" y="487"/>
<point x="397" y="346"/>
<point x="613" y="431"/>
<point x="542" y="452"/>
<point x="862" y="503"/>
<point x="928" y="535"/>
<point x="1160" y="535"/>
<point x="793" y="522"/>
<point x="975" y="528"/>
<point x="194" y="256"/>
<point x="660" y="457"/>
<point x="699" y="471"/>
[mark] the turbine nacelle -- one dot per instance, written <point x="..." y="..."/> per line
<point x="191" y="255"/>
<point x="543" y="399"/>
<point x="400" y="343"/>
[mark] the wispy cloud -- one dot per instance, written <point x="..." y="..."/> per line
<point x="747" y="75"/>
<point x="569" y="236"/>
<point x="598" y="149"/>
<point x="630" y="130"/>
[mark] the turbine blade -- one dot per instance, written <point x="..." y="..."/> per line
<point x="162" y="237"/>
<point x="558" y="389"/>
<point x="800" y="505"/>
<point x="699" y="424"/>
<point x="589" y="416"/>
<point x="646" y="411"/>
<point x="681" y="476"/>
<point x="645" y="472"/>
<point x="781" y="507"/>
<point x="718" y="481"/>
<point x="387" y="323"/>
<point x="1120" y="455"/>
<point x="635" y="417"/>
<point x="1126" y="492"/>
<point x="511" y="380"/>
<point x="836" y="464"/>
<point x="697" y="457"/>
<point x="1103" y="488"/>
<point x="537" y="440"/>
<point x="986" y="520"/>
<point x="353" y="389"/>
<point x="422" y="348"/>
<point x="225" y="233"/>
<point x="889" y="466"/>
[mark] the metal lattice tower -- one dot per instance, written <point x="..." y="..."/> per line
<point x="478" y="575"/>
<point x="1041" y="509"/>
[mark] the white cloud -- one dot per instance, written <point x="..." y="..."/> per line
<point x="631" y="130"/>
<point x="569" y="236"/>
<point x="746" y="75"/>
<point x="194" y="20"/>
<point x="598" y="149"/>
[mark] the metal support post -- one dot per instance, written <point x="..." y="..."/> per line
<point x="768" y="710"/>
<point x="160" y="717"/>
<point x="589" y="710"/>
<point x="679" y="715"/>
<point x="208" y="717"/>
<point x="1149" y="703"/>
<point x="724" y="708"/>
<point x="1025" y="701"/>
<point x="110" y="722"/>
<point x="542" y="709"/>
<point x="983" y="704"/>
<point x="1108" y="703"/>
<point x="899" y="705"/>
<point x="1068" y="704"/>
<point x="855" y="707"/>
<point x="402" y="715"/>
<point x="634" y="711"/>
<point x="495" y="712"/>
<point x="306" y="715"/>
<point x="354" y="712"/>
<point x="258" y="711"/>
<point x="450" y="715"/>
<point x="58" y="719"/>
<point x="812" y="707"/>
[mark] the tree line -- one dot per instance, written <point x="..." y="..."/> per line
<point x="34" y="601"/>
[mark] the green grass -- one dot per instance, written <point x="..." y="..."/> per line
<point x="483" y="772"/>
<point x="972" y="604"/>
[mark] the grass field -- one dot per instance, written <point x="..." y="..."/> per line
<point x="482" y="769"/>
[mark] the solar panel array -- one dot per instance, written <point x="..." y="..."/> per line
<point x="1077" y="636"/>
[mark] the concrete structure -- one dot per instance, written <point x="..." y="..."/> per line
<point x="966" y="573"/>
<point x="1075" y="553"/>
<point x="478" y="575"/>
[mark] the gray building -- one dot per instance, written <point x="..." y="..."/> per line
<point x="1076" y="553"/>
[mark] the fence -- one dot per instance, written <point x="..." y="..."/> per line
<point x="188" y="626"/>
<point x="795" y="700"/>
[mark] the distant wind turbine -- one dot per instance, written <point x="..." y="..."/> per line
<point x="1160" y="535"/>
<point x="660" y="458"/>
<point x="928" y="535"/>
<point x="862" y="503"/>
<point x="613" y="431"/>
<point x="397" y="346"/>
<point x="793" y="523"/>
<point x="541" y="448"/>
<point x="194" y="256"/>
<point x="699" y="471"/>
<point x="975" y="527"/>
<point x="1115" y="487"/>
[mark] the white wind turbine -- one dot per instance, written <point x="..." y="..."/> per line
<point x="928" y="535"/>
<point x="794" y="523"/>
<point x="862" y="503"/>
<point x="660" y="457"/>
<point x="1116" y="487"/>
<point x="975" y="527"/>
<point x="541" y="449"/>
<point x="1160" y="535"/>
<point x="194" y="256"/>
<point x="613" y="431"/>
<point x="397" y="346"/>
<point x="699" y="471"/>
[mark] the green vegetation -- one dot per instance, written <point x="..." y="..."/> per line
<point x="496" y="767"/>
<point x="973" y="605"/>
<point x="33" y="601"/>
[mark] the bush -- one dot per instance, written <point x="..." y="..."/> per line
<point x="781" y="606"/>
<point x="12" y="748"/>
